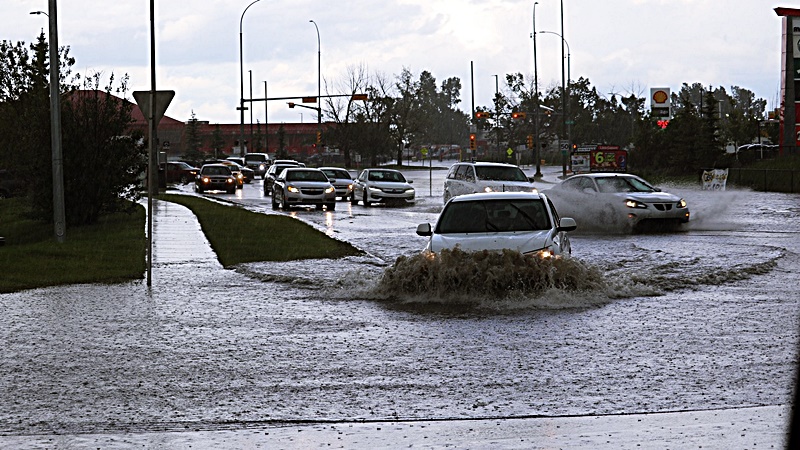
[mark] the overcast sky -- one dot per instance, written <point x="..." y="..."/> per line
<point x="621" y="46"/>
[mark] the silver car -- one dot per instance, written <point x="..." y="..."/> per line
<point x="341" y="180"/>
<point x="617" y="201"/>
<point x="382" y="186"/>
<point x="524" y="222"/>
<point x="303" y="186"/>
<point x="472" y="177"/>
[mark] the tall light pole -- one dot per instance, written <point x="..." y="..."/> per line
<point x="565" y="94"/>
<point x="319" y="83"/>
<point x="266" y="120"/>
<point x="497" y="128"/>
<point x="241" y="107"/>
<point x="59" y="212"/>
<point x="250" y="75"/>
<point x="536" y="143"/>
<point x="564" y="155"/>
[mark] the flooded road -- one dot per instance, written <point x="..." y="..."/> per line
<point x="706" y="318"/>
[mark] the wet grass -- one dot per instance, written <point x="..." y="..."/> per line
<point x="241" y="236"/>
<point x="113" y="250"/>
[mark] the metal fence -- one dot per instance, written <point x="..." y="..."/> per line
<point x="770" y="180"/>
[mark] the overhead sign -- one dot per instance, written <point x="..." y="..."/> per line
<point x="163" y="99"/>
<point x="309" y="99"/>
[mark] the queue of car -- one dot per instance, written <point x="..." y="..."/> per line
<point x="488" y="206"/>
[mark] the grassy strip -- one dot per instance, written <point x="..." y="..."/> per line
<point x="240" y="236"/>
<point x="109" y="251"/>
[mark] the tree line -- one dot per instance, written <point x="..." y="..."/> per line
<point x="104" y="159"/>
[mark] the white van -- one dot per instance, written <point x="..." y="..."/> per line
<point x="473" y="177"/>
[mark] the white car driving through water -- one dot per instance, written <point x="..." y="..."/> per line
<point x="618" y="201"/>
<point x="473" y="177"/>
<point x="521" y="221"/>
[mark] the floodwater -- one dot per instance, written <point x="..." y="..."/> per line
<point x="704" y="318"/>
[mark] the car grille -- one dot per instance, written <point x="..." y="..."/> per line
<point x="663" y="206"/>
<point x="394" y="191"/>
<point x="308" y="191"/>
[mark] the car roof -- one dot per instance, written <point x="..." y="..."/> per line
<point x="333" y="168"/>
<point x="487" y="163"/>
<point x="381" y="169"/>
<point x="603" y="175"/>
<point x="480" y="196"/>
<point x="298" y="169"/>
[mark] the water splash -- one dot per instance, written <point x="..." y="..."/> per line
<point x="506" y="278"/>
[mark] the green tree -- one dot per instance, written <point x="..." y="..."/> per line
<point x="217" y="141"/>
<point x="194" y="141"/>
<point x="101" y="158"/>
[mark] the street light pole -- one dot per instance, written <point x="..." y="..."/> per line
<point x="563" y="97"/>
<point x="250" y="74"/>
<point x="496" y="128"/>
<point x="241" y="107"/>
<point x="59" y="212"/>
<point x="536" y="143"/>
<point x="319" y="82"/>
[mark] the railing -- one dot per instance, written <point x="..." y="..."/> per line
<point x="770" y="180"/>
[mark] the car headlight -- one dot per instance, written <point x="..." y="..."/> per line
<point x="239" y="175"/>
<point x="349" y="187"/>
<point x="230" y="180"/>
<point x="488" y="189"/>
<point x="535" y="191"/>
<point x="410" y="191"/>
<point x="544" y="253"/>
<point x="206" y="180"/>
<point x="261" y="167"/>
<point x="682" y="204"/>
<point x="635" y="204"/>
<point x="292" y="189"/>
<point x="330" y="190"/>
<point x="376" y="190"/>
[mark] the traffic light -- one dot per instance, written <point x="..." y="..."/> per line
<point x="483" y="115"/>
<point x="530" y="141"/>
<point x="319" y="137"/>
<point x="518" y="115"/>
<point x="472" y="144"/>
<point x="291" y="104"/>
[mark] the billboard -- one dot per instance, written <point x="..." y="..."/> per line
<point x="608" y="158"/>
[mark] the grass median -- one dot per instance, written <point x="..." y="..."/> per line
<point x="114" y="249"/>
<point x="110" y="251"/>
<point x="239" y="236"/>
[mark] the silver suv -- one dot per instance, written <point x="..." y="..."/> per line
<point x="473" y="177"/>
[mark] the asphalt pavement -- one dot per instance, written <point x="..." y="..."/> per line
<point x="179" y="244"/>
<point x="180" y="249"/>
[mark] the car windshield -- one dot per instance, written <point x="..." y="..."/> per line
<point x="279" y="168"/>
<point x="386" y="175"/>
<point x="493" y="215"/>
<point x="255" y="158"/>
<point x="500" y="173"/>
<point x="337" y="173"/>
<point x="622" y="184"/>
<point x="216" y="170"/>
<point x="305" y="175"/>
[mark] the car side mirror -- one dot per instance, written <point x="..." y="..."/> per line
<point x="657" y="189"/>
<point x="410" y="181"/>
<point x="532" y="179"/>
<point x="567" y="224"/>
<point x="424" y="229"/>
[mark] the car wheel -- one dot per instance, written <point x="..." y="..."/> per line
<point x="232" y="191"/>
<point x="199" y="190"/>
<point x="366" y="202"/>
<point x="184" y="179"/>
<point x="319" y="206"/>
<point x="284" y="204"/>
<point x="353" y="200"/>
<point x="332" y="206"/>
<point x="274" y="203"/>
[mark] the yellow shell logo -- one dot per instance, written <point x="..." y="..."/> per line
<point x="660" y="97"/>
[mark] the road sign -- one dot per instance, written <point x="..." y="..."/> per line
<point x="424" y="151"/>
<point x="510" y="152"/>
<point x="569" y="122"/>
<point x="163" y="99"/>
<point x="309" y="99"/>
